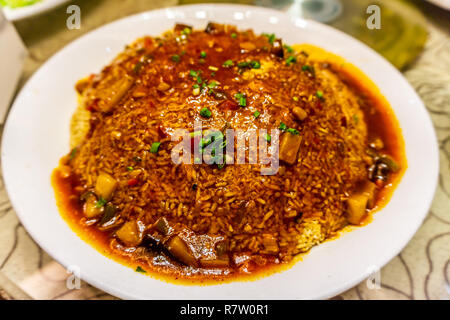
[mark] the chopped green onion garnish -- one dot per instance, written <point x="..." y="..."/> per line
<point x="155" y="147"/>
<point x="186" y="31"/>
<point x="212" y="84"/>
<point x="137" y="67"/>
<point x="176" y="58"/>
<point x="129" y="168"/>
<point x="306" y="68"/>
<point x="228" y="63"/>
<point x="243" y="64"/>
<point x="195" y="86"/>
<point x="234" y="35"/>
<point x="206" y="113"/>
<point x="290" y="60"/>
<point x="193" y="73"/>
<point x="256" y="114"/>
<point x="100" y="203"/>
<point x="139" y="269"/>
<point x="255" y="64"/>
<point x="289" y="49"/>
<point x="293" y="131"/>
<point x="271" y="37"/>
<point x="73" y="153"/>
<point x="268" y="137"/>
<point x="282" y="126"/>
<point x="203" y="54"/>
<point x="241" y="99"/>
<point x="204" y="142"/>
<point x="319" y="94"/>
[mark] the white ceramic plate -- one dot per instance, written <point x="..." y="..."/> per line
<point x="445" y="4"/>
<point x="31" y="10"/>
<point x="37" y="134"/>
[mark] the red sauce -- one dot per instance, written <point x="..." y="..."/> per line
<point x="381" y="124"/>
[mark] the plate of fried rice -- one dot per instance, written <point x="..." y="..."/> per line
<point x="209" y="151"/>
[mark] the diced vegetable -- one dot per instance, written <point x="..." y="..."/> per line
<point x="391" y="163"/>
<point x="179" y="249"/>
<point x="180" y="27"/>
<point x="299" y="113"/>
<point x="369" y="189"/>
<point x="221" y="262"/>
<point x="91" y="210"/>
<point x="356" y="210"/>
<point x="247" y="46"/>
<point x="130" y="234"/>
<point x="162" y="225"/>
<point x="155" y="147"/>
<point x="377" y="144"/>
<point x="270" y="244"/>
<point x="277" y="48"/>
<point x="118" y="90"/>
<point x="162" y="86"/>
<point x="289" y="146"/>
<point x="105" y="186"/>
<point x="362" y="199"/>
<point x="214" y="28"/>
<point x="109" y="215"/>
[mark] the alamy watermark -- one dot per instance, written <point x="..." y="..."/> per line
<point x="73" y="281"/>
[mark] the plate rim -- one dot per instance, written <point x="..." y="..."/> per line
<point x="116" y="292"/>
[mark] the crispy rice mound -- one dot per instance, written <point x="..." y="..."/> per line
<point x="279" y="215"/>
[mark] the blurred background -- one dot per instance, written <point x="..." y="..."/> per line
<point x="414" y="36"/>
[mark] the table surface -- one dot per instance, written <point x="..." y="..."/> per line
<point x="420" y="271"/>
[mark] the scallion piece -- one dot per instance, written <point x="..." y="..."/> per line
<point x="319" y="94"/>
<point x="290" y="60"/>
<point x="271" y="37"/>
<point x="293" y="131"/>
<point x="241" y="99"/>
<point x="175" y="58"/>
<point x="255" y="64"/>
<point x="100" y="203"/>
<point x="139" y="269"/>
<point x="228" y="63"/>
<point x="155" y="146"/>
<point x="206" y="113"/>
